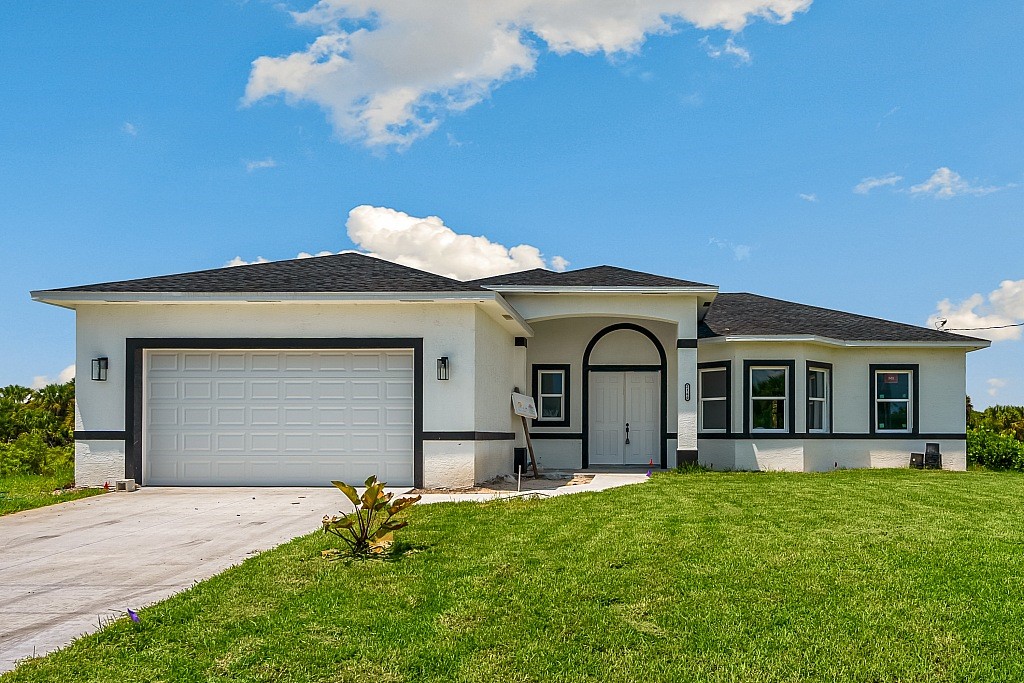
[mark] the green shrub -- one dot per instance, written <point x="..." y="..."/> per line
<point x="369" y="529"/>
<point x="994" y="450"/>
<point x="31" y="454"/>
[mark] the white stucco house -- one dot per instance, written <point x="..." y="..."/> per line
<point x="338" y="367"/>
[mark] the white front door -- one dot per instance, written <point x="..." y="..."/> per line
<point x="618" y="399"/>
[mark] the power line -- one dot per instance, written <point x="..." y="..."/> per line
<point x="942" y="326"/>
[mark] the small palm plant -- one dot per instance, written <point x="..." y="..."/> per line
<point x="369" y="529"/>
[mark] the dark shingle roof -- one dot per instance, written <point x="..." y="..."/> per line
<point x="750" y="314"/>
<point x="597" y="276"/>
<point x="337" y="273"/>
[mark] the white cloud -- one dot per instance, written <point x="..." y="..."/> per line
<point x="994" y="385"/>
<point x="261" y="163"/>
<point x="386" y="71"/>
<point x="728" y="49"/>
<point x="429" y="244"/>
<point x="129" y="128"/>
<point x="239" y="261"/>
<point x="945" y="183"/>
<point x="740" y="252"/>
<point x="808" y="197"/>
<point x="1002" y="307"/>
<point x="868" y="184"/>
<point x="64" y="376"/>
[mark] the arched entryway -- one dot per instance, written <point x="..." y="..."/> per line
<point x="625" y="384"/>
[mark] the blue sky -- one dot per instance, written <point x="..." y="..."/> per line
<point x="714" y="145"/>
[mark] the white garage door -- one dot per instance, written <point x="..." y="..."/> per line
<point x="276" y="417"/>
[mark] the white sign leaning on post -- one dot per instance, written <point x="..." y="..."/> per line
<point x="524" y="406"/>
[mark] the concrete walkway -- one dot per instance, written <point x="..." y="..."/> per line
<point x="66" y="568"/>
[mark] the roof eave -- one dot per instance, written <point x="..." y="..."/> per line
<point x="541" y="289"/>
<point x="68" y="299"/>
<point x="970" y="344"/>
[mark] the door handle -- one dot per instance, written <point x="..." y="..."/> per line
<point x="627" y="433"/>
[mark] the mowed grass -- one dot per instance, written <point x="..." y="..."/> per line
<point x="847" y="576"/>
<point x="26" y="491"/>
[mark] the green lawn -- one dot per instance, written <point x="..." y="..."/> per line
<point x="26" y="491"/>
<point x="847" y="576"/>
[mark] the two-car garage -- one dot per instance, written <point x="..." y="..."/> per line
<point x="276" y="416"/>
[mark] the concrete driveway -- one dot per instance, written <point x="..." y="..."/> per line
<point x="66" y="568"/>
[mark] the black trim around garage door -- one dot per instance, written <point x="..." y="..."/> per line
<point x="135" y="372"/>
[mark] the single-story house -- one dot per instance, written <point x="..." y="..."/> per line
<point x="337" y="367"/>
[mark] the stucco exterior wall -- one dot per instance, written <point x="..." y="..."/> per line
<point x="564" y="341"/>
<point x="496" y="372"/>
<point x="822" y="455"/>
<point x="942" y="380"/>
<point x="446" y="330"/>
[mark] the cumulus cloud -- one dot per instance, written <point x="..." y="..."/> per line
<point x="386" y="71"/>
<point x="430" y="245"/>
<point x="251" y="166"/>
<point x="128" y="128"/>
<point x="740" y="252"/>
<point x="727" y="49"/>
<point x="994" y="385"/>
<point x="868" y="184"/>
<point x="945" y="183"/>
<point x="65" y="375"/>
<point x="999" y="310"/>
<point x="808" y="197"/>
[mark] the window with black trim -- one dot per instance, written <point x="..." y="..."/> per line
<point x="551" y="393"/>
<point x="894" y="400"/>
<point x="714" y="399"/>
<point x="769" y="398"/>
<point x="819" y="398"/>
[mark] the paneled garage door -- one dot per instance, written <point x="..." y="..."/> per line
<point x="277" y="417"/>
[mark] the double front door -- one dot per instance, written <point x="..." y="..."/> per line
<point x="624" y="418"/>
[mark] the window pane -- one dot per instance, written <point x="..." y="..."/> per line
<point x="713" y="415"/>
<point x="893" y="384"/>
<point x="550" y="382"/>
<point x="768" y="382"/>
<point x="816" y="415"/>
<point x="551" y="406"/>
<point x="892" y="415"/>
<point x="768" y="414"/>
<point x="712" y="383"/>
<point x="816" y="384"/>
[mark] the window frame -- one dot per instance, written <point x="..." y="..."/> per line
<point x="538" y="370"/>
<point x="748" y="400"/>
<point x="829" y="426"/>
<point x="914" y="399"/>
<point x="714" y="366"/>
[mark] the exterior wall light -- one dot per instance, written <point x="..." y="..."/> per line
<point x="99" y="369"/>
<point x="442" y="368"/>
<point x="686" y="391"/>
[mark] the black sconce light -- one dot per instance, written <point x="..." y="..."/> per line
<point x="442" y="368"/>
<point x="99" y="369"/>
<point x="686" y="391"/>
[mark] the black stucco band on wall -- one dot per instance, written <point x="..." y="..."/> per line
<point x="686" y="456"/>
<point x="97" y="435"/>
<point x="469" y="436"/>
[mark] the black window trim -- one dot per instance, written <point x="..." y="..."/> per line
<point x="566" y="391"/>
<point x="790" y="399"/>
<point x="915" y="396"/>
<point x="715" y="365"/>
<point x="829" y="398"/>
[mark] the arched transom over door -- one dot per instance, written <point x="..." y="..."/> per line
<point x="624" y="394"/>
